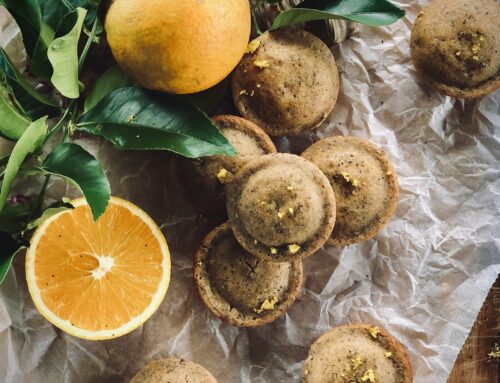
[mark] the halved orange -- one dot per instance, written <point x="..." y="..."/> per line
<point x="98" y="280"/>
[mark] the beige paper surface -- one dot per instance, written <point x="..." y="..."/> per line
<point x="424" y="277"/>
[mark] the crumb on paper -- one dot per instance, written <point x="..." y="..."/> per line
<point x="495" y="352"/>
<point x="388" y="173"/>
<point x="293" y="248"/>
<point x="388" y="354"/>
<point x="374" y="331"/>
<point x="290" y="188"/>
<point x="253" y="46"/>
<point x="306" y="372"/>
<point x="268" y="304"/>
<point x="369" y="376"/>
<point x="222" y="175"/>
<point x="274" y="250"/>
<point x="261" y="64"/>
<point x="281" y="215"/>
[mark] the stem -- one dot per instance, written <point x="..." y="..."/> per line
<point x="40" y="198"/>
<point x="83" y="56"/>
<point x="256" y="24"/>
<point x="59" y="124"/>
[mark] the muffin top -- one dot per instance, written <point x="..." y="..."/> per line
<point x="280" y="207"/>
<point x="173" y="370"/>
<point x="364" y="182"/>
<point x="456" y="48"/>
<point x="240" y="288"/>
<point x="287" y="82"/>
<point x="204" y="178"/>
<point x="357" y="353"/>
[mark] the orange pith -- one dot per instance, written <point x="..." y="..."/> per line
<point x="98" y="276"/>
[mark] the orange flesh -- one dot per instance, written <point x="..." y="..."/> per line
<point x="66" y="259"/>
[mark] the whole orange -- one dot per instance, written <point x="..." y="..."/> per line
<point x="178" y="46"/>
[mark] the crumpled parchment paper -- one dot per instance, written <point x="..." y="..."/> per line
<point x="424" y="277"/>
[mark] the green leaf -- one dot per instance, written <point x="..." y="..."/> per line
<point x="36" y="34"/>
<point x="4" y="160"/>
<point x="111" y="80"/>
<point x="370" y="12"/>
<point x="79" y="167"/>
<point x="40" y="65"/>
<point x="63" y="55"/>
<point x="48" y="213"/>
<point x="55" y="11"/>
<point x="8" y="250"/>
<point x="28" y="143"/>
<point x="13" y="217"/>
<point x="30" y="100"/>
<point x="29" y="18"/>
<point x="92" y="7"/>
<point x="12" y="122"/>
<point x="137" y="119"/>
<point x="208" y="99"/>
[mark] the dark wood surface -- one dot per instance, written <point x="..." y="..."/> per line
<point x="473" y="364"/>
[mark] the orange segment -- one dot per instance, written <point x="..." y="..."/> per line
<point x="98" y="280"/>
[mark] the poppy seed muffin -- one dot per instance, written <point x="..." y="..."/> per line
<point x="280" y="207"/>
<point x="173" y="370"/>
<point x="364" y="182"/>
<point x="204" y="178"/>
<point x="455" y="46"/>
<point x="287" y="82"/>
<point x="239" y="288"/>
<point x="357" y="353"/>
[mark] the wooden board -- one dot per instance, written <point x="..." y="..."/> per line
<point x="473" y="364"/>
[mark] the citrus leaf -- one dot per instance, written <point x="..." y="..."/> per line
<point x="8" y="250"/>
<point x="12" y="122"/>
<point x="92" y="6"/>
<point x="36" y="34"/>
<point x="28" y="143"/>
<point x="111" y="80"/>
<point x="138" y="119"/>
<point x="63" y="55"/>
<point x="13" y="217"/>
<point x="50" y="212"/>
<point x="40" y="65"/>
<point x="79" y="167"/>
<point x="208" y="99"/>
<point x="4" y="160"/>
<point x="29" y="18"/>
<point x="30" y="100"/>
<point x="370" y="12"/>
<point x="55" y="11"/>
